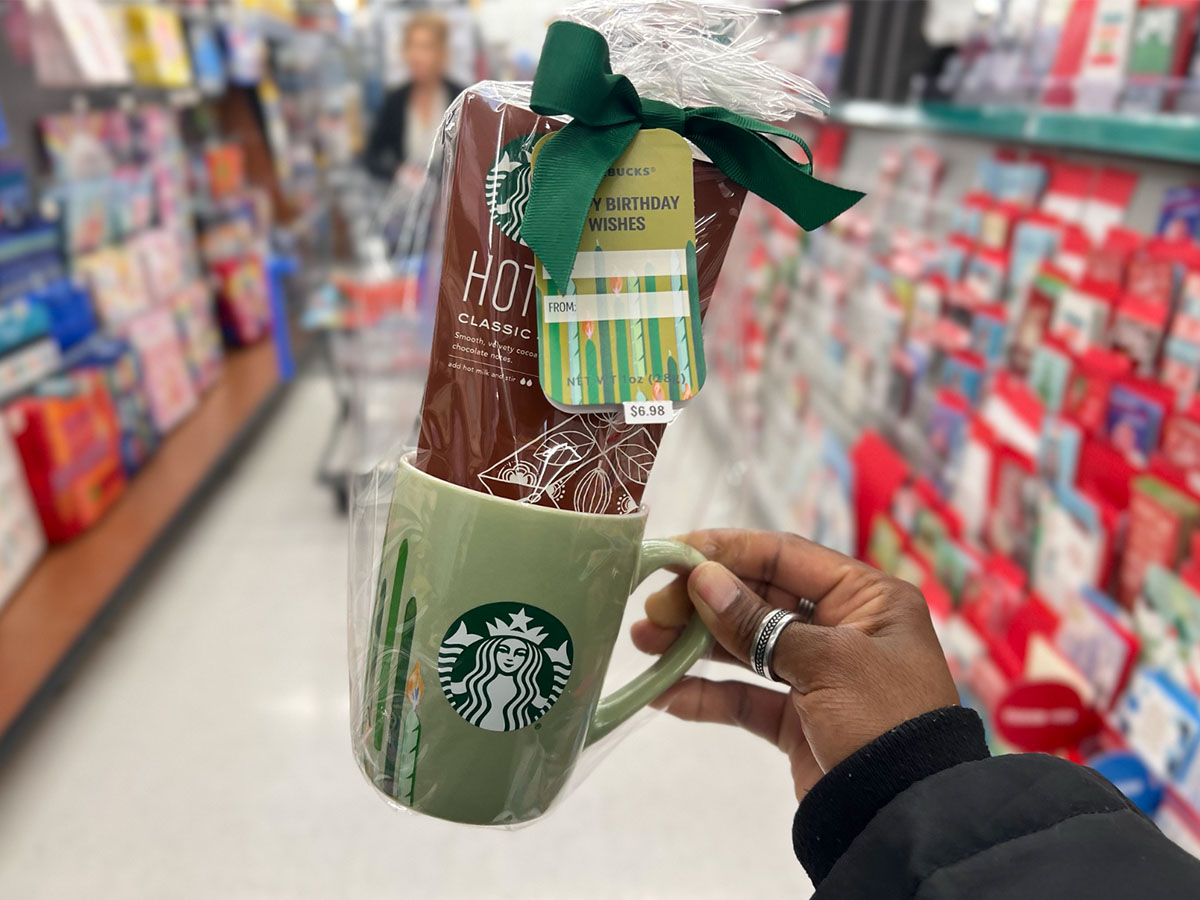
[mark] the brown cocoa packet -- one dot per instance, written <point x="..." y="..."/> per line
<point x="485" y="423"/>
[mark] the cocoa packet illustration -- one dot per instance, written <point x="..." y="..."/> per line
<point x="485" y="423"/>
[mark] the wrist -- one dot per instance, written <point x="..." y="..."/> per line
<point x="844" y="801"/>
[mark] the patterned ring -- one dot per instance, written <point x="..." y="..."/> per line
<point x="765" y="637"/>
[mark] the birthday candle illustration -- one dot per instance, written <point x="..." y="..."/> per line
<point x="381" y="603"/>
<point x="396" y="696"/>
<point x="594" y="392"/>
<point x="600" y="368"/>
<point x="551" y="355"/>
<point x="384" y="654"/>
<point x="681" y="341"/>
<point x="405" y="777"/>
<point x="576" y="369"/>
<point x="697" y="335"/>
<point x="637" y="339"/>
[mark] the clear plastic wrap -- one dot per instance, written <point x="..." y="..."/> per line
<point x="485" y="423"/>
<point x="491" y="567"/>
<point x="698" y="54"/>
<point x="480" y="648"/>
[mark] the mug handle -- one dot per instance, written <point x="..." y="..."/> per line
<point x="692" y="644"/>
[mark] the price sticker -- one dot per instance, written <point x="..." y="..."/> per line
<point x="647" y="412"/>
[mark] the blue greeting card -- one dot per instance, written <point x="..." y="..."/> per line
<point x="1134" y="423"/>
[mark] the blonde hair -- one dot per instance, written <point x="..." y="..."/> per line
<point x="431" y="22"/>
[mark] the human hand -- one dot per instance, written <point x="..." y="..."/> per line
<point x="869" y="661"/>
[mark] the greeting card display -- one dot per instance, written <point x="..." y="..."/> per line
<point x="117" y="282"/>
<point x="1137" y="410"/>
<point x="76" y="43"/>
<point x="242" y="300"/>
<point x="192" y="307"/>
<point x="166" y="377"/>
<point x="161" y="258"/>
<point x="1095" y="636"/>
<point x="1104" y="59"/>
<point x="1161" y="721"/>
<point x="1161" y="520"/>
<point x="118" y="365"/>
<point x="77" y="144"/>
<point x="156" y="47"/>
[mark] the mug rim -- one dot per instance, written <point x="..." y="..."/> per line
<point x="407" y="462"/>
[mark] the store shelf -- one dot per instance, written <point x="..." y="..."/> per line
<point x="1147" y="135"/>
<point x="47" y="624"/>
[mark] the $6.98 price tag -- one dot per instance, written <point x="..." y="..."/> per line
<point x="646" y="412"/>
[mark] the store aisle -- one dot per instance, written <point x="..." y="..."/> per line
<point x="202" y="749"/>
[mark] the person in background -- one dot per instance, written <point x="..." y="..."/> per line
<point x="408" y="121"/>
<point x="899" y="795"/>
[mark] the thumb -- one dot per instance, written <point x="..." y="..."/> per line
<point x="733" y="613"/>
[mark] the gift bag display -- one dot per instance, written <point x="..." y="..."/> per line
<point x="68" y="436"/>
<point x="585" y="220"/>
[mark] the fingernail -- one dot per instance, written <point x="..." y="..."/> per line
<point x="714" y="586"/>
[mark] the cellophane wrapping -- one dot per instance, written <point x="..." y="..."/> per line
<point x="485" y="423"/>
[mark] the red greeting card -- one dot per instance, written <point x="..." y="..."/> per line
<point x="1109" y="201"/>
<point x="971" y="493"/>
<point x="1068" y="190"/>
<point x="1081" y="318"/>
<point x="1110" y="260"/>
<point x="1137" y="410"/>
<point x="1074" y="251"/>
<point x="1068" y="61"/>
<point x="1161" y="519"/>
<point x="1013" y="515"/>
<point x="1091" y="382"/>
<point x="1181" y="440"/>
<point x="1138" y="330"/>
<point x="880" y="472"/>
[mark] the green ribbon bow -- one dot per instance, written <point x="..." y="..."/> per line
<point x="575" y="77"/>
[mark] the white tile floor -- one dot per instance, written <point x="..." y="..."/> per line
<point x="202" y="750"/>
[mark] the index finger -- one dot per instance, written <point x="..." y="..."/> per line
<point x="787" y="561"/>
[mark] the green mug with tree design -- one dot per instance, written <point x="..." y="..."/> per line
<point x="491" y="631"/>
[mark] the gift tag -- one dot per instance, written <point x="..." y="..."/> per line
<point x="627" y="328"/>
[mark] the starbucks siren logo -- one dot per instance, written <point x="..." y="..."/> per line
<point x="507" y="185"/>
<point x="503" y="665"/>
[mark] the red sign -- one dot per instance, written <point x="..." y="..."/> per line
<point x="1043" y="716"/>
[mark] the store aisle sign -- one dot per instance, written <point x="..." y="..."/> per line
<point x="1043" y="716"/>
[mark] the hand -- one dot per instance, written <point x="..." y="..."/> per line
<point x="869" y="661"/>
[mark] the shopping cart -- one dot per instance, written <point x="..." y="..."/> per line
<point x="375" y="322"/>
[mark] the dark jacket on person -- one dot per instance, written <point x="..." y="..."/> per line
<point x="925" y="813"/>
<point x="385" y="148"/>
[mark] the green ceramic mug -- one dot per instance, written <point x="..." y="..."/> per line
<point x="491" y="632"/>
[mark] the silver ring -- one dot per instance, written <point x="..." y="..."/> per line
<point x="762" y="648"/>
<point x="807" y="610"/>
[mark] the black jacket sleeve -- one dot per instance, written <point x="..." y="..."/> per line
<point x="925" y="813"/>
<point x="385" y="147"/>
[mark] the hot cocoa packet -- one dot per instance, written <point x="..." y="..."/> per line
<point x="485" y="422"/>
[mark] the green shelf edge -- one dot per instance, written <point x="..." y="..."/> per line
<point x="1171" y="138"/>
